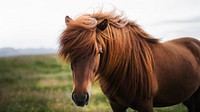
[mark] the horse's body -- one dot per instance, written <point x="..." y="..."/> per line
<point x="177" y="74"/>
<point x="134" y="69"/>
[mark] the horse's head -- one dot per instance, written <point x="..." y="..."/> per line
<point x="83" y="72"/>
<point x="84" y="68"/>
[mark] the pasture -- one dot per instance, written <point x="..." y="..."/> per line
<point x="42" y="84"/>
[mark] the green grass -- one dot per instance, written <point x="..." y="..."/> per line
<point x="41" y="84"/>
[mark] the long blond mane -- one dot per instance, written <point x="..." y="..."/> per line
<point x="126" y="51"/>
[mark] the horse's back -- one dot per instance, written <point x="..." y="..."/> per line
<point x="177" y="69"/>
<point x="188" y="44"/>
<point x="192" y="44"/>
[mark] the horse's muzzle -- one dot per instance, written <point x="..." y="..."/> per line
<point x="80" y="98"/>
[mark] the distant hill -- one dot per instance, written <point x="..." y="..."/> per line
<point x="6" y="52"/>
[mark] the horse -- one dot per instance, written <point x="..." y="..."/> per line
<point x="134" y="69"/>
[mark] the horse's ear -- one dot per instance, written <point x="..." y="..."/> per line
<point x="102" y="26"/>
<point x="67" y="19"/>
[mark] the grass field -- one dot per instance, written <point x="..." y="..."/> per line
<point x="41" y="84"/>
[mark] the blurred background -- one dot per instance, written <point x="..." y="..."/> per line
<point x="33" y="79"/>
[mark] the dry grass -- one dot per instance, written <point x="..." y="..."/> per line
<point x="40" y="84"/>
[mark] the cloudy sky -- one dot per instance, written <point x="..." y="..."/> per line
<point x="38" y="23"/>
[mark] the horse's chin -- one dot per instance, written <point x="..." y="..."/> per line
<point x="82" y="105"/>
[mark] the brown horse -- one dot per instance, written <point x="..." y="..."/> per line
<point x="133" y="68"/>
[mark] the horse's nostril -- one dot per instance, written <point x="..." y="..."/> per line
<point x="73" y="96"/>
<point x="86" y="97"/>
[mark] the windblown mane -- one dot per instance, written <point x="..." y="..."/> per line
<point x="126" y="51"/>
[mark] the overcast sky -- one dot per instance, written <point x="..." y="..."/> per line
<point x="38" y="23"/>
